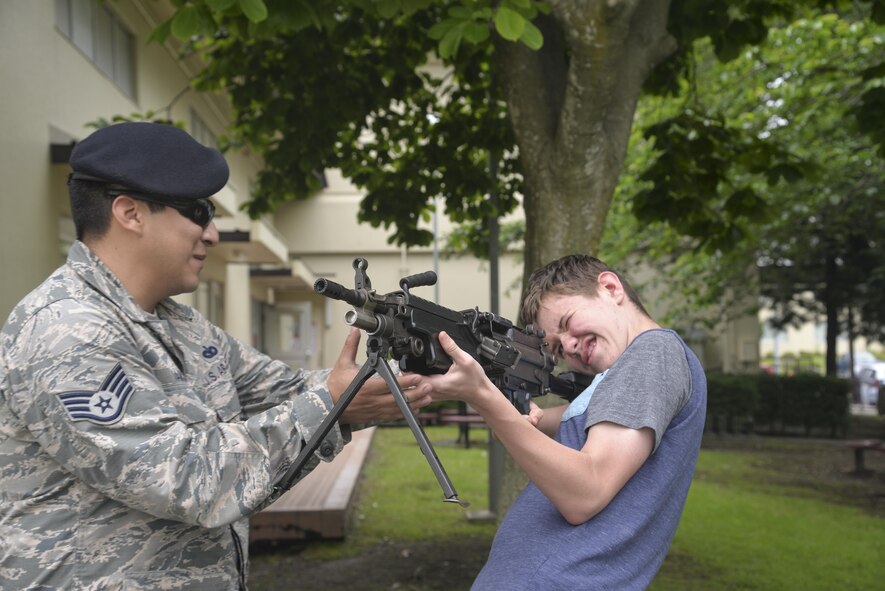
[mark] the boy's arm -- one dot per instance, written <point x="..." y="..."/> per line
<point x="580" y="483"/>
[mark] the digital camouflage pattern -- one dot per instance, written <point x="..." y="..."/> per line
<point x="133" y="446"/>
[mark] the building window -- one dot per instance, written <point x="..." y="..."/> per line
<point x="201" y="131"/>
<point x="101" y="37"/>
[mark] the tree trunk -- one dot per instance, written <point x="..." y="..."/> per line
<point x="571" y="105"/>
<point x="831" y="305"/>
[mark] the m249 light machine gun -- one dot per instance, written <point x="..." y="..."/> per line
<point x="405" y="328"/>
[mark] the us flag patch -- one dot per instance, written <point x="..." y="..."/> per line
<point x="104" y="406"/>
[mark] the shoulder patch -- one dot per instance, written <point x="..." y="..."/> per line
<point x="105" y="406"/>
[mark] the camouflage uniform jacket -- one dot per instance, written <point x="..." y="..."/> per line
<point x="134" y="445"/>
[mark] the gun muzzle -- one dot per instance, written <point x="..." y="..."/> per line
<point x="336" y="291"/>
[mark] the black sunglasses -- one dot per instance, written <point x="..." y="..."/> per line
<point x="199" y="211"/>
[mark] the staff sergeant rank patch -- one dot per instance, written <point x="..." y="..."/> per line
<point x="103" y="407"/>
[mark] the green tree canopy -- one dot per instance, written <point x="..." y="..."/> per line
<point x="767" y="113"/>
<point x="812" y="247"/>
<point x="542" y="94"/>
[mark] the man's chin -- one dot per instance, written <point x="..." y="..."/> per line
<point x="187" y="287"/>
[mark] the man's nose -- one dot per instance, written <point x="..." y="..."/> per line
<point x="210" y="235"/>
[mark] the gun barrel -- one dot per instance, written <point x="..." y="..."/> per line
<point x="336" y="291"/>
<point x="373" y="324"/>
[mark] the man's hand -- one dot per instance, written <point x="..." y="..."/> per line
<point x="374" y="402"/>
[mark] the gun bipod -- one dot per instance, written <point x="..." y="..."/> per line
<point x="376" y="350"/>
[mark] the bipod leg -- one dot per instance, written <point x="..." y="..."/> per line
<point x="294" y="471"/>
<point x="426" y="448"/>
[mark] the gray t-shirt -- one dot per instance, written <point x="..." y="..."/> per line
<point x="630" y="393"/>
<point x="657" y="383"/>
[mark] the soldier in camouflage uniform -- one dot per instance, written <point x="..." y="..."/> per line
<point x="135" y="436"/>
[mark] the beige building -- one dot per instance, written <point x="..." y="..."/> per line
<point x="66" y="63"/>
<point x="808" y="339"/>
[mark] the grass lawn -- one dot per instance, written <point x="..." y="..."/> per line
<point x="763" y="513"/>
<point x="743" y="530"/>
<point x="400" y="500"/>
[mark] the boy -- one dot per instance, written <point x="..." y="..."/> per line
<point x="611" y="471"/>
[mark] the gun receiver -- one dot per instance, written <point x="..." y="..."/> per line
<point x="406" y="328"/>
<point x="516" y="360"/>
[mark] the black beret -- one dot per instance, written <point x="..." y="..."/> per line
<point x="152" y="158"/>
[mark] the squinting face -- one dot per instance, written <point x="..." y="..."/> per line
<point x="590" y="333"/>
<point x="179" y="248"/>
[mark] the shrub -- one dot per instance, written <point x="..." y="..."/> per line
<point x="804" y="402"/>
<point x="730" y="397"/>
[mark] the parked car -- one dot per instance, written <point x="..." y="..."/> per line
<point x="862" y="359"/>
<point x="870" y="379"/>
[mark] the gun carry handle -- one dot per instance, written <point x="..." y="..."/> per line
<point x="425" y="278"/>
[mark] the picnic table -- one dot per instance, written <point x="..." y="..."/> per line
<point x="861" y="446"/>
<point x="464" y="417"/>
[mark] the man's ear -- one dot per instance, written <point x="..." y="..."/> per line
<point x="128" y="213"/>
<point x="610" y="284"/>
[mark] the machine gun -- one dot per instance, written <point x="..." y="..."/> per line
<point x="405" y="328"/>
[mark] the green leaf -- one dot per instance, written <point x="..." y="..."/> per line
<point x="509" y="23"/>
<point x="532" y="36"/>
<point x="387" y="8"/>
<point x="186" y="23"/>
<point x="410" y="7"/>
<point x="476" y="32"/>
<point x="448" y="45"/>
<point x="161" y="33"/>
<point x="303" y="15"/>
<point x="439" y="30"/>
<point x="220" y="5"/>
<point x="461" y="13"/>
<point x="255" y="10"/>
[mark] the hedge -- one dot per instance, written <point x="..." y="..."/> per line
<point x="779" y="404"/>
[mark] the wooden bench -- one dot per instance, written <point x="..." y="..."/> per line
<point x="318" y="505"/>
<point x="860" y="446"/>
<point x="428" y="418"/>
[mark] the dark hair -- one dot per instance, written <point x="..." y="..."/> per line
<point x="569" y="275"/>
<point x="91" y="208"/>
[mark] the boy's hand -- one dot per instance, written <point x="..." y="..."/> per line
<point x="465" y="380"/>
<point x="536" y="413"/>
